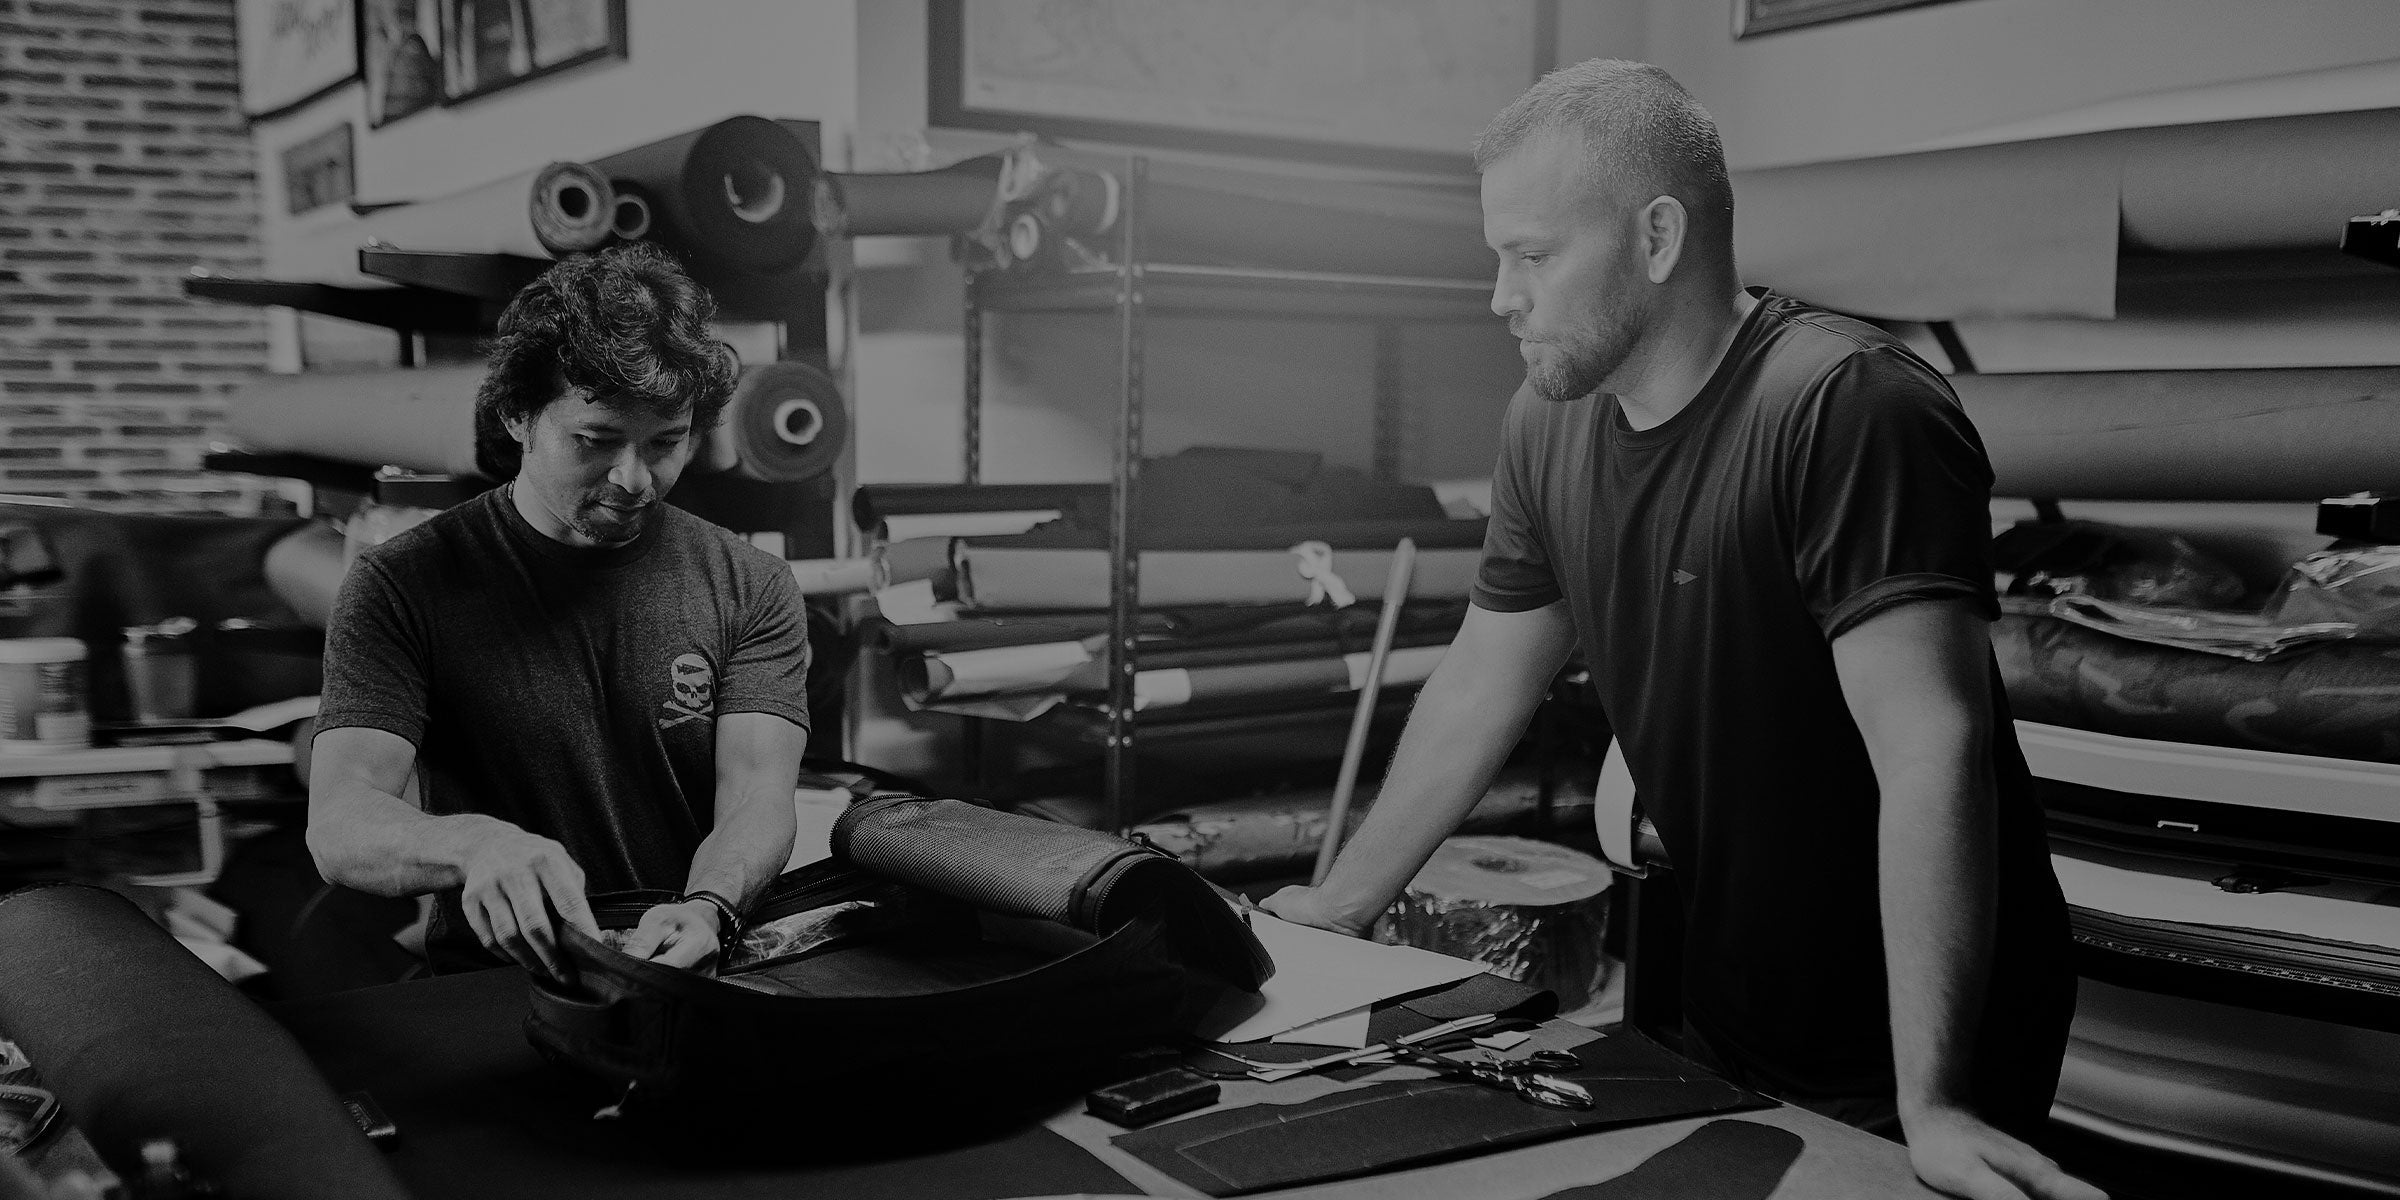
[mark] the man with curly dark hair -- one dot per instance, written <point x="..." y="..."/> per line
<point x="565" y="685"/>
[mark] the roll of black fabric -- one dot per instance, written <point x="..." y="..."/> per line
<point x="140" y="1040"/>
<point x="738" y="195"/>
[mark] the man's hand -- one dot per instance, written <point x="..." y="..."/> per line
<point x="678" y="935"/>
<point x="1955" y="1152"/>
<point x="1302" y="905"/>
<point x="514" y="881"/>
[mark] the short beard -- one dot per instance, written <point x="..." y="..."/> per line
<point x="1587" y="361"/>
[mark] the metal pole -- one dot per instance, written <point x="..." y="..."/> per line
<point x="1124" y="588"/>
<point x="973" y="449"/>
<point x="1337" y="813"/>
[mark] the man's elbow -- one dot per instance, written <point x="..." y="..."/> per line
<point x="332" y="841"/>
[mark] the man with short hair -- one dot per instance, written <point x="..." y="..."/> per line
<point x="566" y="684"/>
<point x="1768" y="526"/>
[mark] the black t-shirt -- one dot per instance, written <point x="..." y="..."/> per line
<point x="573" y="692"/>
<point x="1823" y="475"/>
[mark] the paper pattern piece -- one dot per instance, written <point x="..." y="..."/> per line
<point x="1319" y="974"/>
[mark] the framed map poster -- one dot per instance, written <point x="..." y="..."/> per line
<point x="1404" y="83"/>
<point x="1754" y="17"/>
<point x="293" y="51"/>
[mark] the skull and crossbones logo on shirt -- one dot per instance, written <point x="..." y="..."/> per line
<point x="695" y="694"/>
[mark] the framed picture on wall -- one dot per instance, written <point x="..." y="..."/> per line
<point x="1386" y="84"/>
<point x="404" y="62"/>
<point x="1754" y="17"/>
<point x="293" y="51"/>
<point x="488" y="45"/>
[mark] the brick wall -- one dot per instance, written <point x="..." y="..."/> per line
<point x="124" y="163"/>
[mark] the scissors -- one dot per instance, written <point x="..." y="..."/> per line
<point x="1524" y="1076"/>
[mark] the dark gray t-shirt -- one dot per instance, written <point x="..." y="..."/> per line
<point x="1823" y="475"/>
<point x="573" y="692"/>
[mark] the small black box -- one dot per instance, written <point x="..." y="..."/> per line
<point x="1138" y="1102"/>
<point x="2360" y="517"/>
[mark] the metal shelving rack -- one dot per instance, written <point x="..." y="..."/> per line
<point x="1132" y="289"/>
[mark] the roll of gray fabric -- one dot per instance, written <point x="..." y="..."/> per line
<point x="785" y="423"/>
<point x="2300" y="433"/>
<point x="421" y="418"/>
<point x="141" y="1041"/>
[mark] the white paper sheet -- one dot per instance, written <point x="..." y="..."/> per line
<point x="1348" y="1030"/>
<point x="1319" y="974"/>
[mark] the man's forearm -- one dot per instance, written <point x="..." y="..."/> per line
<point x="1456" y="738"/>
<point x="1937" y="874"/>
<point x="382" y="844"/>
<point x="746" y="850"/>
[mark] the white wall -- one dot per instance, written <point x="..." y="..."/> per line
<point x="688" y="63"/>
<point x="1901" y="80"/>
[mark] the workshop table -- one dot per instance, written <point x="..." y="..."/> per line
<point x="480" y="1114"/>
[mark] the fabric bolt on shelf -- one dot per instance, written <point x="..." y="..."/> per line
<point x="422" y="419"/>
<point x="2334" y="701"/>
<point x="957" y="198"/>
<point x="1435" y="533"/>
<point x="557" y="209"/>
<point x="1202" y="627"/>
<point x="785" y="423"/>
<point x="874" y="503"/>
<point x="1389" y="1126"/>
<point x="1009" y="577"/>
<point x="1206" y="672"/>
<point x="483" y="1117"/>
<point x="1722" y="1160"/>
<point x="1163" y="688"/>
<point x="1210" y="214"/>
<point x="1248" y="837"/>
<point x="140" y="1040"/>
<point x="739" y="194"/>
<point x="2284" y="433"/>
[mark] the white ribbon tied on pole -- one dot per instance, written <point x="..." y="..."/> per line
<point x="1316" y="566"/>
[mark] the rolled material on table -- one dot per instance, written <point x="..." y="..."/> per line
<point x="2300" y="433"/>
<point x="422" y="419"/>
<point x="1003" y="578"/>
<point x="739" y="195"/>
<point x="786" y="423"/>
<point x="1531" y="911"/>
<point x="140" y="1040"/>
<point x="952" y="199"/>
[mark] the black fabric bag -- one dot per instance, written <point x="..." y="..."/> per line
<point x="944" y="950"/>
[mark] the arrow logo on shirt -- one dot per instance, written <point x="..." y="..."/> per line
<point x="1683" y="576"/>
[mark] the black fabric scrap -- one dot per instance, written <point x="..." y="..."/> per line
<point x="1722" y="1160"/>
<point x="1388" y="1126"/>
